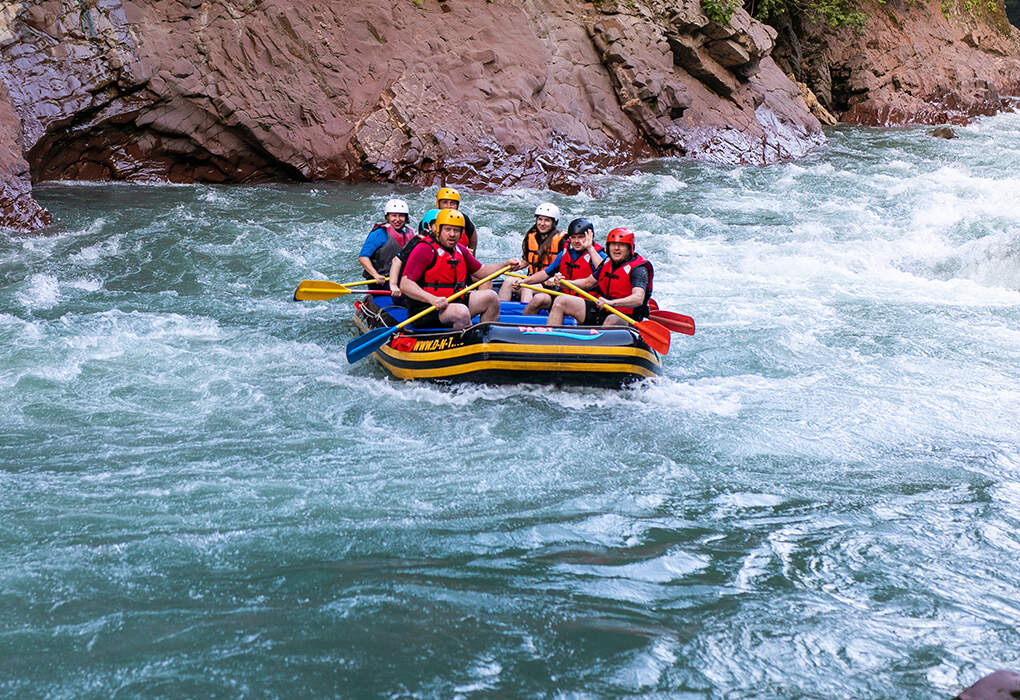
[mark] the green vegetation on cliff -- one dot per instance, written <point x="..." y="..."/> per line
<point x="835" y="13"/>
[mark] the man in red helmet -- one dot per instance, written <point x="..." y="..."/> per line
<point x="623" y="280"/>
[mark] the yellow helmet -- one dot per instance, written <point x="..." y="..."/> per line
<point x="448" y="217"/>
<point x="447" y="193"/>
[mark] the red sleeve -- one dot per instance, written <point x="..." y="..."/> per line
<point x="472" y="261"/>
<point x="417" y="262"/>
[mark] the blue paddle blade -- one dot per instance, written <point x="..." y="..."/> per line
<point x="365" y="345"/>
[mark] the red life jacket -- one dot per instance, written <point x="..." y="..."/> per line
<point x="577" y="269"/>
<point x="448" y="272"/>
<point x="614" y="282"/>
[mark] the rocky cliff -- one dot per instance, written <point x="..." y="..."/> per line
<point x="911" y="62"/>
<point x="461" y="91"/>
<point x="484" y="94"/>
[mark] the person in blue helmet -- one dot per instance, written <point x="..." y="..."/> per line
<point x="425" y="232"/>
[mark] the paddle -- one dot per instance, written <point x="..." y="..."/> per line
<point x="317" y="290"/>
<point x="365" y="345"/>
<point x="655" y="336"/>
<point x="678" y="323"/>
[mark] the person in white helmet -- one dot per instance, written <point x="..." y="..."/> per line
<point x="384" y="241"/>
<point x="541" y="244"/>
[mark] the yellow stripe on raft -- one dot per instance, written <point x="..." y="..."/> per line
<point x="539" y="367"/>
<point x="475" y="348"/>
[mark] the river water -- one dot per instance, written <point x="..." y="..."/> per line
<point x="819" y="498"/>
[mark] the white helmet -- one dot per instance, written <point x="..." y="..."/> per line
<point x="548" y="209"/>
<point x="396" y="206"/>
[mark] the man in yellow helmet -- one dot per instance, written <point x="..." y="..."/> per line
<point x="449" y="198"/>
<point x="442" y="266"/>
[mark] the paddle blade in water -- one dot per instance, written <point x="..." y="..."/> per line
<point x="365" y="345"/>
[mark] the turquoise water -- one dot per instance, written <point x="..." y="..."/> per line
<point x="819" y="498"/>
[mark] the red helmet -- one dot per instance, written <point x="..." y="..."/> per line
<point x="621" y="235"/>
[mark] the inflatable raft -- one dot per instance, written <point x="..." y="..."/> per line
<point x="516" y="349"/>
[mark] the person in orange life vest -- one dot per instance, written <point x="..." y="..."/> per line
<point x="384" y="242"/>
<point x="540" y="246"/>
<point x="442" y="267"/>
<point x="577" y="261"/>
<point x="425" y="233"/>
<point x="623" y="280"/>
<point x="449" y="198"/>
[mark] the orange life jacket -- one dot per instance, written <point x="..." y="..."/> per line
<point x="534" y="255"/>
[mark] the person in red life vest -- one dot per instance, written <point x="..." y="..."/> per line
<point x="449" y="198"/>
<point x="425" y="233"/>
<point x="624" y="281"/>
<point x="577" y="261"/>
<point x="442" y="267"/>
<point x="541" y="244"/>
<point x="384" y="242"/>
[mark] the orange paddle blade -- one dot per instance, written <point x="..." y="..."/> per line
<point x="655" y="336"/>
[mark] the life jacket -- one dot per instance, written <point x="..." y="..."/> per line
<point x="384" y="254"/>
<point x="448" y="272"/>
<point x="614" y="282"/>
<point x="534" y="254"/>
<point x="577" y="269"/>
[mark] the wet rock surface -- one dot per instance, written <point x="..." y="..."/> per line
<point x="486" y="95"/>
<point x="1001" y="685"/>
<point x="912" y="63"/>
<point x="17" y="208"/>
<point x="541" y="92"/>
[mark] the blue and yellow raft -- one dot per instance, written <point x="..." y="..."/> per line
<point x="517" y="349"/>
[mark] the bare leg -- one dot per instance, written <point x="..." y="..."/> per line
<point x="538" y="302"/>
<point x="506" y="291"/>
<point x="486" y="303"/>
<point x="614" y="320"/>
<point x="566" y="306"/>
<point x="457" y="315"/>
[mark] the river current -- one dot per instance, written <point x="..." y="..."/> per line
<point x="819" y="498"/>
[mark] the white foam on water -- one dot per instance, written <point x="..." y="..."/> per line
<point x="93" y="253"/>
<point x="39" y="291"/>
<point x="86" y="284"/>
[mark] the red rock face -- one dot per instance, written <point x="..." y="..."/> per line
<point x="913" y="63"/>
<point x="544" y="92"/>
<point x="17" y="208"/>
<point x="462" y="92"/>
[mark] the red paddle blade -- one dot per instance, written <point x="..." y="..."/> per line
<point x="655" y="336"/>
<point x="674" y="321"/>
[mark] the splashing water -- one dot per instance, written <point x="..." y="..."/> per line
<point x="819" y="497"/>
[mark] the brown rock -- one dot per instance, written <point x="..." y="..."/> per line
<point x="1000" y="685"/>
<point x="954" y="64"/>
<point x="17" y="208"/>
<point x="242" y="92"/>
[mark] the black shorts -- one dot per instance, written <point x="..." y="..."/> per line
<point x="594" y="316"/>
<point x="431" y="319"/>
